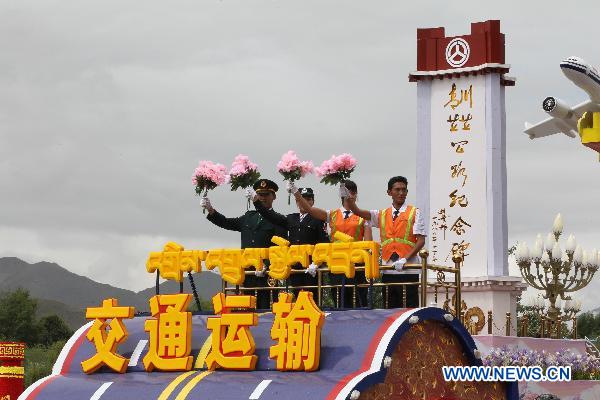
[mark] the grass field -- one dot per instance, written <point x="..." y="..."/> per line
<point x="39" y="361"/>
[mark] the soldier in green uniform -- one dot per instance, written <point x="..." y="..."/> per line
<point x="255" y="231"/>
<point x="302" y="229"/>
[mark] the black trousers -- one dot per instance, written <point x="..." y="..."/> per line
<point x="262" y="297"/>
<point x="396" y="293"/>
<point x="361" y="293"/>
<point x="303" y="279"/>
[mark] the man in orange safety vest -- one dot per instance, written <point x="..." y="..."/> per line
<point x="343" y="220"/>
<point x="402" y="232"/>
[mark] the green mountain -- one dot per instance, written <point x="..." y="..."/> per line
<point x="68" y="295"/>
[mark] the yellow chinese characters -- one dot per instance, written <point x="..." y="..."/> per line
<point x="254" y="257"/>
<point x="297" y="330"/>
<point x="233" y="262"/>
<point x="173" y="261"/>
<point x="300" y="254"/>
<point x="283" y="256"/>
<point x="340" y="259"/>
<point x="457" y="170"/>
<point x="460" y="146"/>
<point x="456" y="199"/>
<point x="296" y="327"/>
<point x="107" y="336"/>
<point x="465" y="95"/>
<point x="342" y="256"/>
<point x="366" y="253"/>
<point x="232" y="342"/>
<point x="229" y="263"/>
<point x="278" y="267"/>
<point x="170" y="333"/>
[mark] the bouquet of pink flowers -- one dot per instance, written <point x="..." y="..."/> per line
<point x="337" y="169"/>
<point x="292" y="168"/>
<point x="243" y="173"/>
<point x="208" y="176"/>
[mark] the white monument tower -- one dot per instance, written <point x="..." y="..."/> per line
<point x="461" y="163"/>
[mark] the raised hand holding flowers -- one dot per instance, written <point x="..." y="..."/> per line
<point x="292" y="169"/>
<point x="207" y="176"/>
<point x="337" y="169"/>
<point x="243" y="173"/>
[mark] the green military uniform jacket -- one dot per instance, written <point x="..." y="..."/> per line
<point x="255" y="230"/>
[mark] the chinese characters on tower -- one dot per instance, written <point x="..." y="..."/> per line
<point x="457" y="144"/>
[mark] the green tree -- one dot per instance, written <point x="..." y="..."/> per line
<point x="17" y="317"/>
<point x="534" y="323"/>
<point x="52" y="329"/>
<point x="588" y="325"/>
<point x="18" y="322"/>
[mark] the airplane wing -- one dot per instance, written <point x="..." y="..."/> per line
<point x="548" y="127"/>
<point x="553" y="125"/>
<point x="580" y="108"/>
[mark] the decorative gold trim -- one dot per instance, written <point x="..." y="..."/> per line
<point x="12" y="350"/>
<point x="477" y="326"/>
<point x="449" y="303"/>
<point x="12" y="370"/>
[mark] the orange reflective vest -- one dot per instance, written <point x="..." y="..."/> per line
<point x="397" y="235"/>
<point x="353" y="225"/>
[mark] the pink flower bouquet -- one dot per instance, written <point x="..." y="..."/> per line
<point x="292" y="168"/>
<point x="208" y="176"/>
<point x="337" y="169"/>
<point x="243" y="172"/>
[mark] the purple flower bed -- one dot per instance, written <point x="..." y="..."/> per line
<point x="583" y="367"/>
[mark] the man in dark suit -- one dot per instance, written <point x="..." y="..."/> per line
<point x="301" y="228"/>
<point x="255" y="231"/>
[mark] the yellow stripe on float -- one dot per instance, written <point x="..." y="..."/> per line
<point x="173" y="385"/>
<point x="191" y="384"/>
<point x="203" y="352"/>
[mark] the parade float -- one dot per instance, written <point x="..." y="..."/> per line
<point x="302" y="347"/>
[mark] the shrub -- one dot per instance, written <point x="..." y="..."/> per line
<point x="39" y="361"/>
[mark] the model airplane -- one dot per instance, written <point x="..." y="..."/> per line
<point x="562" y="117"/>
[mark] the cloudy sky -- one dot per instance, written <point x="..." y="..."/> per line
<point x="106" y="108"/>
